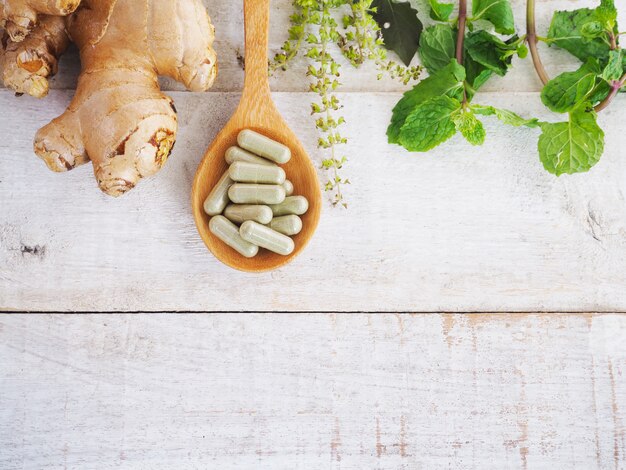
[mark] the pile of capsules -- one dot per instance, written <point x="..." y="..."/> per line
<point x="252" y="206"/>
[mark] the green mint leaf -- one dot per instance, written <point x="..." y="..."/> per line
<point x="470" y="127"/>
<point x="570" y="89"/>
<point x="600" y="92"/>
<point x="400" y="27"/>
<point x="430" y="124"/>
<point x="437" y="47"/>
<point x="507" y="117"/>
<point x="440" y="11"/>
<point x="447" y="81"/>
<point x="606" y="13"/>
<point x="614" y="68"/>
<point x="490" y="51"/>
<point x="593" y="29"/>
<point x="498" y="12"/>
<point x="566" y="32"/>
<point x="522" y="51"/>
<point x="477" y="75"/>
<point x="573" y="146"/>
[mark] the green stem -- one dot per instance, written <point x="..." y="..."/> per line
<point x="324" y="95"/>
<point x="531" y="37"/>
<point x="357" y="33"/>
<point x="460" y="39"/>
<point x="615" y="87"/>
<point x="612" y="41"/>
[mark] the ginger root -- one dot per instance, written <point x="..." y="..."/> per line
<point x="29" y="63"/>
<point x="18" y="17"/>
<point x="119" y="118"/>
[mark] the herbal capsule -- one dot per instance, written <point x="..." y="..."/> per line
<point x="217" y="200"/>
<point x="288" y="185"/>
<point x="244" y="172"/>
<point x="236" y="154"/>
<point x="239" y="213"/>
<point x="287" y="224"/>
<point x="244" y="193"/>
<point x="228" y="232"/>
<point x="263" y="146"/>
<point x="297" y="205"/>
<point x="266" y="237"/>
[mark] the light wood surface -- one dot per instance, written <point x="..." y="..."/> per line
<point x="341" y="392"/>
<point x="461" y="229"/>
<point x="256" y="111"/>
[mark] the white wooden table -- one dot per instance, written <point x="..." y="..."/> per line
<point x="461" y="229"/>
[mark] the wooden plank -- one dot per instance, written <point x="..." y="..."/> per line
<point x="460" y="229"/>
<point x="313" y="391"/>
<point x="227" y="17"/>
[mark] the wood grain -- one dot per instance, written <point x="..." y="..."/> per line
<point x="463" y="228"/>
<point x="349" y="392"/>
<point x="460" y="229"/>
<point x="256" y="111"/>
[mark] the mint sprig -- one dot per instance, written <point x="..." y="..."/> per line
<point x="591" y="35"/>
<point x="459" y="63"/>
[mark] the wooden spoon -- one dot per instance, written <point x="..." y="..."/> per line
<point x="256" y="111"/>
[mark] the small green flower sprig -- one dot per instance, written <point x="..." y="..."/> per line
<point x="314" y="28"/>
<point x="325" y="80"/>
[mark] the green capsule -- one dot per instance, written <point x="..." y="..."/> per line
<point x="243" y="172"/>
<point x="217" y="200"/>
<point x="287" y="224"/>
<point x="236" y="154"/>
<point x="244" y="193"/>
<point x="263" y="146"/>
<point x="228" y="232"/>
<point x="239" y="213"/>
<point x="265" y="237"/>
<point x="288" y="185"/>
<point x="297" y="205"/>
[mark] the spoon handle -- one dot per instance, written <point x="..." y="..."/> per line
<point x="256" y="20"/>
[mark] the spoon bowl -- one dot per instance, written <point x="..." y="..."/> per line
<point x="256" y="111"/>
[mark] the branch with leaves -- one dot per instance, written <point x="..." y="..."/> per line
<point x="460" y="58"/>
<point x="592" y="36"/>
